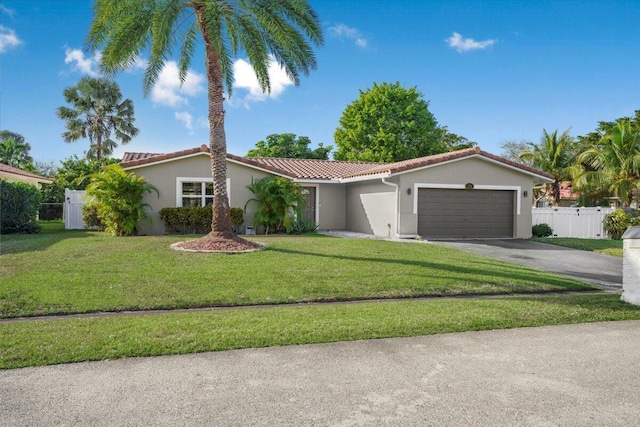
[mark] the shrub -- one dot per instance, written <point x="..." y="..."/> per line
<point x="277" y="201"/>
<point x="617" y="222"/>
<point x="19" y="204"/>
<point x="195" y="220"/>
<point x="50" y="211"/>
<point x="542" y="230"/>
<point x="117" y="197"/>
<point x="303" y="226"/>
<point x="91" y="218"/>
<point x="237" y="217"/>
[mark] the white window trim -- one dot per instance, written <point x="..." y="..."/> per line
<point x="181" y="179"/>
<point x="516" y="188"/>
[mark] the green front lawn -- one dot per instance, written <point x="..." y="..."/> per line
<point x="41" y="342"/>
<point x="59" y="271"/>
<point x="602" y="246"/>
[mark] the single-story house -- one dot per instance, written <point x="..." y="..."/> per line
<point x="461" y="194"/>
<point x="11" y="174"/>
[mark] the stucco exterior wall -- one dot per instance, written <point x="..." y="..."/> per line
<point x="370" y="208"/>
<point x="10" y="177"/>
<point x="477" y="171"/>
<point x="163" y="176"/>
<point x="332" y="206"/>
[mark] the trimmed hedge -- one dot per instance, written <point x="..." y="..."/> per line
<point x="196" y="220"/>
<point x="19" y="204"/>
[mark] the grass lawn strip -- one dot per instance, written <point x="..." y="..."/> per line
<point x="68" y="272"/>
<point x="75" y="340"/>
<point x="602" y="246"/>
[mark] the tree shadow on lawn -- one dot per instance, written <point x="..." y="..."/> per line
<point x="19" y="243"/>
<point x="515" y="277"/>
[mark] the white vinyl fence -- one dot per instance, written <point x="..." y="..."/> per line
<point x="585" y="223"/>
<point x="72" y="209"/>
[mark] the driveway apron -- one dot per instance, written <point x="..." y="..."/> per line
<point x="588" y="267"/>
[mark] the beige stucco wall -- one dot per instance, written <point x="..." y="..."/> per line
<point x="370" y="208"/>
<point x="332" y="206"/>
<point x="469" y="170"/>
<point x="10" y="177"/>
<point x="163" y="176"/>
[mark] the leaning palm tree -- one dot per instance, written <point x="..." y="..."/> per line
<point x="259" y="29"/>
<point x="554" y="154"/>
<point x="98" y="113"/>
<point x="14" y="151"/>
<point x="613" y="163"/>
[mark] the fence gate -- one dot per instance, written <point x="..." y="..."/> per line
<point x="73" y="203"/>
<point x="584" y="223"/>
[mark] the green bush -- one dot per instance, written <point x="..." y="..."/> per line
<point x="117" y="197"/>
<point x="91" y="218"/>
<point x="617" y="222"/>
<point x="50" y="211"/>
<point x="19" y="204"/>
<point x="303" y="226"/>
<point x="278" y="201"/>
<point x="237" y="217"/>
<point x="195" y="220"/>
<point x="542" y="230"/>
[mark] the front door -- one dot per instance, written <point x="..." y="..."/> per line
<point x="309" y="211"/>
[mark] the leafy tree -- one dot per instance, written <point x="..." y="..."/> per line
<point x="98" y="112"/>
<point x="279" y="29"/>
<point x="555" y="155"/>
<point x="389" y="123"/>
<point x="612" y="163"/>
<point x="511" y="150"/>
<point x="278" y="203"/>
<point x="289" y="146"/>
<point x="116" y="196"/>
<point x="74" y="174"/>
<point x="14" y="151"/>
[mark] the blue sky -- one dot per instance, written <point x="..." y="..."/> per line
<point x="492" y="72"/>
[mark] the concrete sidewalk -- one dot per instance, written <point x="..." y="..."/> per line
<point x="575" y="375"/>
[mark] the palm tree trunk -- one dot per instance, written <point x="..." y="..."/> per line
<point x="221" y="222"/>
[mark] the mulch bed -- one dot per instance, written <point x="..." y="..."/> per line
<point x="207" y="244"/>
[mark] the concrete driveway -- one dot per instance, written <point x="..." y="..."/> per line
<point x="589" y="267"/>
<point x="574" y="375"/>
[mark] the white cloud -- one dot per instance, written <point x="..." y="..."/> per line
<point x="78" y="62"/>
<point x="245" y="78"/>
<point x="7" y="11"/>
<point x="344" y="31"/>
<point x="461" y="44"/>
<point x="139" y="64"/>
<point x="168" y="90"/>
<point x="8" y="39"/>
<point x="186" y="118"/>
<point x="203" y="122"/>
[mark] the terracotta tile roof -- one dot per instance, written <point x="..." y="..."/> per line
<point x="16" y="171"/>
<point x="566" y="191"/>
<point x="329" y="169"/>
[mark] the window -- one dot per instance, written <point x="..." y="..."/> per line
<point x="192" y="192"/>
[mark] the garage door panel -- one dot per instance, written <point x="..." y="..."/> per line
<point x="445" y="213"/>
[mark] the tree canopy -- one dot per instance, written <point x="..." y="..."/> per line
<point x="14" y="151"/>
<point x="98" y="113"/>
<point x="289" y="146"/>
<point x="389" y="123"/>
<point x="264" y="31"/>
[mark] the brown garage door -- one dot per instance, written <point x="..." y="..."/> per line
<point x="444" y="213"/>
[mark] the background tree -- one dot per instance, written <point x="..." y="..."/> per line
<point x="98" y="112"/>
<point x="389" y="123"/>
<point x="512" y="150"/>
<point x="289" y="146"/>
<point x="14" y="151"/>
<point x="280" y="29"/>
<point x="612" y="163"/>
<point x="555" y="155"/>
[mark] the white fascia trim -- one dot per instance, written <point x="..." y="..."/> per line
<point x="181" y="179"/>
<point x="516" y="188"/>
<point x="258" y="168"/>
<point x="366" y="178"/>
<point x="317" y="181"/>
<point x="166" y="160"/>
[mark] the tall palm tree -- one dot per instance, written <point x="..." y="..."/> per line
<point x="14" y="151"/>
<point x="554" y="154"/>
<point x="98" y="113"/>
<point x="260" y="29"/>
<point x="612" y="163"/>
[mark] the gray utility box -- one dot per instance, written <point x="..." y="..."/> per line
<point x="631" y="266"/>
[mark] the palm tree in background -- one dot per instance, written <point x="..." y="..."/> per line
<point x="555" y="155"/>
<point x="260" y="29"/>
<point x="14" y="150"/>
<point x="98" y="113"/>
<point x="612" y="163"/>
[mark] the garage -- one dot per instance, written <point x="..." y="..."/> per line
<point x="465" y="213"/>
